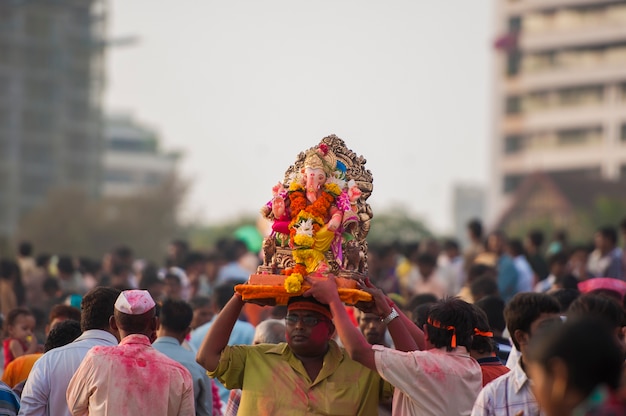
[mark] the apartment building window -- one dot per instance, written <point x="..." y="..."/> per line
<point x="577" y="137"/>
<point x="118" y="176"/>
<point x="511" y="183"/>
<point x="513" y="144"/>
<point x="581" y="96"/>
<point x="513" y="105"/>
<point x="623" y="133"/>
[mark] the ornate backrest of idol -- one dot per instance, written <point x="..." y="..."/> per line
<point x="347" y="255"/>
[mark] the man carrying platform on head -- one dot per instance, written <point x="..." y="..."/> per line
<point x="308" y="374"/>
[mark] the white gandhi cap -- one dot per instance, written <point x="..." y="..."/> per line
<point x="134" y="302"/>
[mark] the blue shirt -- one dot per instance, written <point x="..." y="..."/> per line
<point x="508" y="277"/>
<point x="242" y="334"/>
<point x="201" y="382"/>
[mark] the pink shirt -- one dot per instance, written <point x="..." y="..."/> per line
<point x="129" y="380"/>
<point x="434" y="382"/>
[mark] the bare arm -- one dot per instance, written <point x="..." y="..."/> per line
<point x="405" y="334"/>
<point x="219" y="333"/>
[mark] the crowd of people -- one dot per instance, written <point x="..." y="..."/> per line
<point x="502" y="326"/>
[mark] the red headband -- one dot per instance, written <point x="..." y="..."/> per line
<point x="438" y="325"/>
<point x="309" y="306"/>
<point x="480" y="333"/>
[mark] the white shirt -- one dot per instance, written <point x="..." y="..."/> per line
<point x="434" y="382"/>
<point x="509" y="394"/>
<point x="44" y="392"/>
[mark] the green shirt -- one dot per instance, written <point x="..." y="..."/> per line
<point x="273" y="382"/>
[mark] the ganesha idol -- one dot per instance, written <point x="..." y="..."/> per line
<point x="317" y="213"/>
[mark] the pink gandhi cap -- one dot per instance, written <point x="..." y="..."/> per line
<point x="134" y="302"/>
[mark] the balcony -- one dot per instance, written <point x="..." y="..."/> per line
<point x="562" y="77"/>
<point x="562" y="118"/>
<point x="613" y="32"/>
<point x="525" y="6"/>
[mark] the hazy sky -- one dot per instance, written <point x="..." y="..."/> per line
<point x="241" y="87"/>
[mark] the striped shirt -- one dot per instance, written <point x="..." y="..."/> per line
<point x="508" y="395"/>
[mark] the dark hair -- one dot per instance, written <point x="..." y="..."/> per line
<point x="8" y="269"/>
<point x="524" y="309"/>
<point x="65" y="265"/>
<point x="622" y="225"/>
<point x="558" y="258"/>
<point x="427" y="259"/>
<point x="480" y="343"/>
<point x="569" y="281"/>
<point x="64" y="311"/>
<point x="97" y="307"/>
<point x="477" y="271"/>
<point x="42" y="260"/>
<point x="420" y="314"/>
<point x="452" y="312"/>
<point x="134" y="324"/>
<point x="193" y="258"/>
<point x="485" y="286"/>
<point x="62" y="334"/>
<point x="175" y="315"/>
<point x="223" y="293"/>
<point x="25" y="249"/>
<point x="420" y="299"/>
<point x="565" y="297"/>
<point x="536" y="238"/>
<point x="149" y="277"/>
<point x="475" y="227"/>
<point x="598" y="306"/>
<point x="588" y="348"/>
<point x="516" y="247"/>
<point x="609" y="233"/>
<point x="173" y="277"/>
<point x="493" y="306"/>
<point x="51" y="286"/>
<point x="13" y="315"/>
<point x="199" y="302"/>
<point x="450" y="244"/>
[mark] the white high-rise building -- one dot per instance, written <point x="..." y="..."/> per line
<point x="133" y="162"/>
<point x="559" y="92"/>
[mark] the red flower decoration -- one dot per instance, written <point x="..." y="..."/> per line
<point x="324" y="148"/>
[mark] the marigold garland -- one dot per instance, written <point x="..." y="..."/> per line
<point x="293" y="283"/>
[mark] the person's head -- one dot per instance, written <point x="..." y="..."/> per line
<point x="60" y="313"/>
<point x="601" y="307"/>
<point x="475" y="230"/>
<point x="372" y="328"/>
<point x="478" y="271"/>
<point x="176" y="252"/>
<point x="420" y="314"/>
<point x="62" y="334"/>
<point x="174" y="319"/>
<point x="496" y="242"/>
<point x="150" y="281"/>
<point x="97" y="307"/>
<point x="525" y="313"/>
<point x="173" y="287"/>
<point x="605" y="239"/>
<point x="25" y="249"/>
<point x="8" y="270"/>
<point x="515" y="248"/>
<point x="309" y="326"/>
<point x="534" y="240"/>
<point x="418" y="300"/>
<point x="269" y="331"/>
<point x="451" y="248"/>
<point x="194" y="263"/>
<point x="426" y="264"/>
<point x="568" y="362"/>
<point x="482" y="342"/>
<point x="450" y="324"/>
<point x="65" y="266"/>
<point x="222" y="294"/>
<point x="493" y="306"/>
<point x="20" y="324"/>
<point x="202" y="311"/>
<point x="565" y="297"/>
<point x="51" y="287"/>
<point x="485" y="286"/>
<point x="557" y="264"/>
<point x="135" y="313"/>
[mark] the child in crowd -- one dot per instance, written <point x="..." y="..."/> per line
<point x="19" y="339"/>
